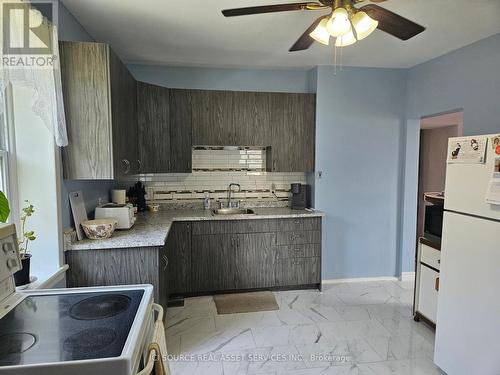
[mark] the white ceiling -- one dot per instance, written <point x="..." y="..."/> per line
<point x="194" y="32"/>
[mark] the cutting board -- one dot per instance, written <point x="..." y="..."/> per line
<point x="79" y="212"/>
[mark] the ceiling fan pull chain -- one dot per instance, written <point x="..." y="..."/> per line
<point x="335" y="60"/>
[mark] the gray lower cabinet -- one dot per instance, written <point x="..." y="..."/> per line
<point x="212" y="266"/>
<point x="203" y="257"/>
<point x="108" y="267"/>
<point x="101" y="113"/>
<point x="178" y="251"/>
<point x="252" y="254"/>
<point x="254" y="260"/>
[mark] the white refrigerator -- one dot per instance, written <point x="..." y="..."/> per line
<point x="468" y="315"/>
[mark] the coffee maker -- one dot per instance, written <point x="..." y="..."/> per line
<point x="301" y="196"/>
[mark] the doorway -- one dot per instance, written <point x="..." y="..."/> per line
<point x="434" y="134"/>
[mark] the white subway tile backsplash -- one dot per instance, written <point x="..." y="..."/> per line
<point x="214" y="170"/>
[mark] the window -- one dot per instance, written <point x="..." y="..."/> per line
<point x="4" y="156"/>
<point x="8" y="180"/>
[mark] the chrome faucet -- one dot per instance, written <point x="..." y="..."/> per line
<point x="230" y="192"/>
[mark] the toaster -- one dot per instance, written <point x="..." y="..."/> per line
<point x="123" y="213"/>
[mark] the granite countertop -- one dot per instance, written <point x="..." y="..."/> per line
<point x="151" y="229"/>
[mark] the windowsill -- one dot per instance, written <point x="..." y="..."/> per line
<point x="49" y="279"/>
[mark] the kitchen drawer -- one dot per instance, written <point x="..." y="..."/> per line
<point x="428" y="293"/>
<point x="299" y="224"/>
<point x="298" y="238"/>
<point x="298" y="251"/>
<point x="298" y="271"/>
<point x="234" y="226"/>
<point x="430" y="256"/>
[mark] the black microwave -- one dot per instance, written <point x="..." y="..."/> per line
<point x="433" y="223"/>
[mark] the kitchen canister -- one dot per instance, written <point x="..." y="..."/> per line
<point x="118" y="196"/>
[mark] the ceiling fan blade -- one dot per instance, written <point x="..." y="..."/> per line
<point x="270" y="9"/>
<point x="393" y="23"/>
<point x="305" y="41"/>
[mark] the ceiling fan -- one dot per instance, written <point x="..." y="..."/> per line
<point x="345" y="22"/>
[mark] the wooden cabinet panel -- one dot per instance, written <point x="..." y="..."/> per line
<point x="178" y="252"/>
<point x="212" y="268"/>
<point x="124" y="117"/>
<point x="180" y="131"/>
<point x="110" y="267"/>
<point x="212" y="114"/>
<point x="154" y="128"/>
<point x="252" y="118"/>
<point x="254" y="260"/>
<point x="298" y="271"/>
<point x="298" y="251"/>
<point x="85" y="77"/>
<point x="293" y="124"/>
<point x="234" y="226"/>
<point x="101" y="113"/>
<point x="298" y="238"/>
<point x="299" y="224"/>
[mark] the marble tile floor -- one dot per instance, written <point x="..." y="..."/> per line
<point x="361" y="328"/>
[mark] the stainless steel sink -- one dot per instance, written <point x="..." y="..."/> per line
<point x="233" y="211"/>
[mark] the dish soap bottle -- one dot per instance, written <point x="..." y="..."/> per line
<point x="206" y="201"/>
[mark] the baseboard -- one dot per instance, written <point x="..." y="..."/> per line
<point x="360" y="279"/>
<point x="407" y="276"/>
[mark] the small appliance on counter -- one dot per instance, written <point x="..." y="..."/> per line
<point x="301" y="196"/>
<point x="137" y="195"/>
<point x="123" y="213"/>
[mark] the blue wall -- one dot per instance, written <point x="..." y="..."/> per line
<point x="467" y="78"/>
<point x="359" y="119"/>
<point x="270" y="80"/>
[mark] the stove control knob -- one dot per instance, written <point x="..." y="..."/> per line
<point x="8" y="247"/>
<point x="12" y="263"/>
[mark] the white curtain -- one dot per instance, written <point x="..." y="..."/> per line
<point x="45" y="80"/>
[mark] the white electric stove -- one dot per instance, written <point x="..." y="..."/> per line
<point x="80" y="331"/>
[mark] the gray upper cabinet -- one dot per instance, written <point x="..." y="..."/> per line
<point x="252" y="118"/>
<point x="153" y="103"/>
<point x="165" y="131"/>
<point x="293" y="132"/>
<point x="212" y="118"/>
<point x="181" y="133"/>
<point x="100" y="104"/>
<point x="284" y="121"/>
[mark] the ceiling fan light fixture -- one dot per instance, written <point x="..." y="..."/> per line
<point x="363" y="24"/>
<point x="320" y="34"/>
<point x="339" y="24"/>
<point x="345" y="40"/>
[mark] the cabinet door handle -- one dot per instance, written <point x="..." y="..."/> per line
<point x="436" y="286"/>
<point x="139" y="166"/>
<point x="126" y="163"/>
<point x="165" y="262"/>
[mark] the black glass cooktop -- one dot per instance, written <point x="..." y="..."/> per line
<point x="68" y="327"/>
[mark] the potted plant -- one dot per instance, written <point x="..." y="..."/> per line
<point x="22" y="277"/>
